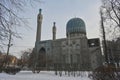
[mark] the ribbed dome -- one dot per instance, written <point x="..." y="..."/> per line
<point x="76" y="25"/>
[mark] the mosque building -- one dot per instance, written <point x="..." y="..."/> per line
<point x="75" y="49"/>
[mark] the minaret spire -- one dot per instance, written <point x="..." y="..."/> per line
<point x="54" y="30"/>
<point x="40" y="10"/>
<point x="39" y="25"/>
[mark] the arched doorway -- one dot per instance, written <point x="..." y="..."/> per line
<point x="42" y="57"/>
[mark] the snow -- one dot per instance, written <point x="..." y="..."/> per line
<point x="43" y="75"/>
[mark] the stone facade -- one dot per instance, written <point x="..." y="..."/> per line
<point x="73" y="50"/>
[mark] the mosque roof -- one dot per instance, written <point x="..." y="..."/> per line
<point x="75" y="25"/>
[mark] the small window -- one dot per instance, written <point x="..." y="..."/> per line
<point x="48" y="49"/>
<point x="66" y="43"/>
<point x="77" y="46"/>
<point x="63" y="45"/>
<point x="73" y="42"/>
<point x="70" y="45"/>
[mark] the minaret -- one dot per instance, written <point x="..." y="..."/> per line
<point x="38" y="37"/>
<point x="39" y="23"/>
<point x="54" y="31"/>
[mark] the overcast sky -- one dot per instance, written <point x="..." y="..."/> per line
<point x="59" y="11"/>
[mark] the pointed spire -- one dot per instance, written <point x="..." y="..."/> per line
<point x="54" y="23"/>
<point x="40" y="10"/>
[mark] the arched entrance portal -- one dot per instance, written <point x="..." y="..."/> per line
<point x="42" y="57"/>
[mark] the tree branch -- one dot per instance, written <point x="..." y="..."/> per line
<point x="113" y="8"/>
<point x="112" y="17"/>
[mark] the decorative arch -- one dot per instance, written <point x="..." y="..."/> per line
<point x="42" y="50"/>
<point x="42" y="57"/>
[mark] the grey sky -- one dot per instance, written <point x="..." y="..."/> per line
<point x="59" y="11"/>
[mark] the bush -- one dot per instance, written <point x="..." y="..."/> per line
<point x="11" y="70"/>
<point x="105" y="73"/>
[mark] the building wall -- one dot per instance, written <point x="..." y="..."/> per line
<point x="71" y="51"/>
<point x="96" y="57"/>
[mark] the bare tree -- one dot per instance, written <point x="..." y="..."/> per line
<point x="111" y="14"/>
<point x="10" y="17"/>
<point x="103" y="36"/>
<point x="25" y="57"/>
<point x="111" y="21"/>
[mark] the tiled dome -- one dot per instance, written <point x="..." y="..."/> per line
<point x="76" y="25"/>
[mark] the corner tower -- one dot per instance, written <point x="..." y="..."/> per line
<point x="39" y="25"/>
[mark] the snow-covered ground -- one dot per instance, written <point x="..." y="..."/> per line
<point x="43" y="75"/>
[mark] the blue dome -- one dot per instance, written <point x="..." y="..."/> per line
<point x="76" y="25"/>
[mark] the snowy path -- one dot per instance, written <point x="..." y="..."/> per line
<point x="44" y="75"/>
